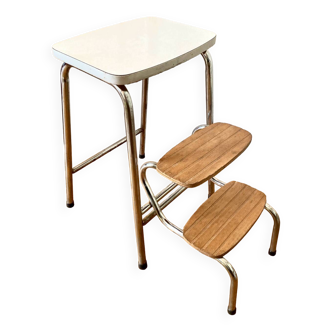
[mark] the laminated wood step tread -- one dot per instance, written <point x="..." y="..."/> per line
<point x="203" y="154"/>
<point x="224" y="219"/>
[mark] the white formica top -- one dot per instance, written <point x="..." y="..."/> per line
<point x="131" y="51"/>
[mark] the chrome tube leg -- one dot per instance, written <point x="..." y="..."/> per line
<point x="209" y="100"/>
<point x="134" y="175"/>
<point x="234" y="283"/>
<point x="65" y="99"/>
<point x="208" y="86"/>
<point x="144" y="106"/>
<point x="276" y="228"/>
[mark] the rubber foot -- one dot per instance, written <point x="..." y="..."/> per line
<point x="70" y="205"/>
<point x="142" y="156"/>
<point x="142" y="266"/>
<point x="272" y="253"/>
<point x="232" y="312"/>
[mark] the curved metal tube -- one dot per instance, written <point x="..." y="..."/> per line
<point x="209" y="100"/>
<point x="133" y="168"/>
<point x="234" y="283"/>
<point x="218" y="182"/>
<point x="146" y="207"/>
<point x="175" y="229"/>
<point x="208" y="86"/>
<point x="144" y="106"/>
<point x="199" y="128"/>
<point x="276" y="228"/>
<point x="164" y="204"/>
<point x="65" y="98"/>
<point x="132" y="155"/>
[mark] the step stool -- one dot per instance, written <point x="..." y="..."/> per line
<point x="222" y="221"/>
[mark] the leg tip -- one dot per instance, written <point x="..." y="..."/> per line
<point x="70" y="205"/>
<point x="272" y="253"/>
<point x="141" y="156"/>
<point x="142" y="266"/>
<point x="232" y="312"/>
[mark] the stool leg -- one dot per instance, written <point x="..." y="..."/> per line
<point x="144" y="106"/>
<point x="67" y="132"/>
<point x="134" y="174"/>
<point x="209" y="100"/>
<point x="276" y="227"/>
<point x="234" y="282"/>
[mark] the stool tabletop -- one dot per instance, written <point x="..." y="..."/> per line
<point x="131" y="51"/>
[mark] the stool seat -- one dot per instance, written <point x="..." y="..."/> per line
<point x="224" y="219"/>
<point x="204" y="154"/>
<point x="132" y="51"/>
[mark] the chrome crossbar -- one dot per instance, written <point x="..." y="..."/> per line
<point x="146" y="207"/>
<point x="103" y="152"/>
<point x="164" y="204"/>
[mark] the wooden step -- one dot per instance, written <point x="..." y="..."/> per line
<point x="203" y="154"/>
<point x="224" y="219"/>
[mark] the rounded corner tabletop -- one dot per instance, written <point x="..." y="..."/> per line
<point x="131" y="51"/>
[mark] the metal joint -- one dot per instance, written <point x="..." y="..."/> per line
<point x="199" y="128"/>
<point x="154" y="202"/>
<point x="218" y="182"/>
<point x="103" y="152"/>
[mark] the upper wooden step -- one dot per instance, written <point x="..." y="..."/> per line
<point x="203" y="154"/>
<point x="224" y="219"/>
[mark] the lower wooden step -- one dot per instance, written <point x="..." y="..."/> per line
<point x="222" y="221"/>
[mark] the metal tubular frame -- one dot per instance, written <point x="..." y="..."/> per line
<point x="198" y="128"/>
<point x="132" y="151"/>
<point x="144" y="107"/>
<point x="141" y="131"/>
<point x="133" y="168"/>
<point x="103" y="152"/>
<point x="276" y="228"/>
<point x="154" y="202"/>
<point x="134" y="175"/>
<point x="132" y="155"/>
<point x="234" y="282"/>
<point x="231" y="271"/>
<point x="218" y="182"/>
<point x="163" y="204"/>
<point x="159" y="196"/>
<point x="65" y="100"/>
<point x="209" y="87"/>
<point x="209" y="120"/>
<point x="178" y="231"/>
<point x="209" y="100"/>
